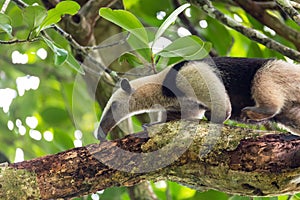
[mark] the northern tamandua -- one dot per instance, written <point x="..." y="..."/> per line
<point x="223" y="87"/>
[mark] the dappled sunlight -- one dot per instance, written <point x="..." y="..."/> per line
<point x="237" y="18"/>
<point x="203" y="23"/>
<point x="182" y="32"/>
<point x="6" y="97"/>
<point x="161" y="15"/>
<point x="42" y="53"/>
<point x="35" y="134"/>
<point x="78" y="136"/>
<point x="19" y="58"/>
<point x="26" y="83"/>
<point x="10" y="125"/>
<point x="21" y="128"/>
<point x="19" y="156"/>
<point x="48" y="136"/>
<point x="32" y="122"/>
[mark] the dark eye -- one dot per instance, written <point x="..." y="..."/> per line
<point x="114" y="105"/>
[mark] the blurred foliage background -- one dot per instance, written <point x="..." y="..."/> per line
<point x="45" y="106"/>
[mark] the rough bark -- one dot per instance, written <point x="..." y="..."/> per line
<point x="230" y="159"/>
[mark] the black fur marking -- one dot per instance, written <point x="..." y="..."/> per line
<point x="237" y="75"/>
<point x="169" y="87"/>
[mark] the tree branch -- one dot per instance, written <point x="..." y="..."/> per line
<point x="259" y="13"/>
<point x="250" y="33"/>
<point x="295" y="4"/>
<point x="198" y="155"/>
<point x="19" y="41"/>
<point x="288" y="8"/>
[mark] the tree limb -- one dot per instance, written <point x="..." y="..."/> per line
<point x="288" y="8"/>
<point x="233" y="160"/>
<point x="295" y="4"/>
<point x="259" y="13"/>
<point x="250" y="33"/>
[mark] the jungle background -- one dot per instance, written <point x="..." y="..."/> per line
<point x="47" y="108"/>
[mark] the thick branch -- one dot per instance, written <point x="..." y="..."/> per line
<point x="229" y="159"/>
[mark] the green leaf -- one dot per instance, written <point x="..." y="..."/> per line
<point x="127" y="21"/>
<point x="60" y="55"/>
<point x="62" y="8"/>
<point x="5" y="19"/>
<point x="131" y="59"/>
<point x="72" y="62"/>
<point x="171" y="19"/>
<point x="165" y="61"/>
<point x="5" y="24"/>
<point x="140" y="47"/>
<point x="189" y="48"/>
<point x="34" y="16"/>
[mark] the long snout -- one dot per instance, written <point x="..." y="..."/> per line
<point x="107" y="123"/>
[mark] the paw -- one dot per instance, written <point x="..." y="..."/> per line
<point x="256" y="114"/>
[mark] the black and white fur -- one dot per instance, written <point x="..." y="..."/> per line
<point x="223" y="87"/>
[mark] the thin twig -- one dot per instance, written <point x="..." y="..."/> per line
<point x="109" y="45"/>
<point x="288" y="8"/>
<point x="19" y="41"/>
<point x="253" y="34"/>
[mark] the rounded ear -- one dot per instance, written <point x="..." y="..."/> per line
<point x="125" y="85"/>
